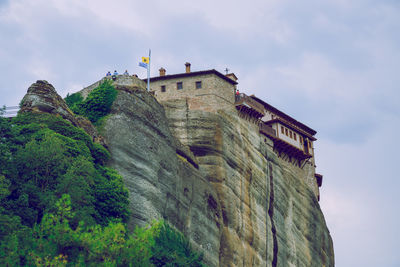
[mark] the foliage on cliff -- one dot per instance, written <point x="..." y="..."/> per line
<point x="43" y="157"/>
<point x="54" y="243"/>
<point x="61" y="206"/>
<point x="96" y="105"/>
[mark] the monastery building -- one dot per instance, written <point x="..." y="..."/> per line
<point x="210" y="90"/>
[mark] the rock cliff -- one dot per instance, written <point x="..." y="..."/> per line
<point x="214" y="177"/>
<point x="237" y="200"/>
<point x="271" y="216"/>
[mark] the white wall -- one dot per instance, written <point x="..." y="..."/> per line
<point x="283" y="136"/>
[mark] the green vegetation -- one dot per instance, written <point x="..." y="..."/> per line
<point x="43" y="157"/>
<point x="61" y="206"/>
<point x="73" y="100"/>
<point x="54" y="243"/>
<point x="96" y="105"/>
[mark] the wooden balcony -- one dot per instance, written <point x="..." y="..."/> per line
<point x="290" y="150"/>
<point x="267" y="130"/>
<point x="282" y="146"/>
<point x="248" y="105"/>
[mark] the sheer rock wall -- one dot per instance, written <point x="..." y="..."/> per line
<point x="243" y="206"/>
<point x="161" y="175"/>
<point x="211" y="175"/>
<point x="271" y="216"/>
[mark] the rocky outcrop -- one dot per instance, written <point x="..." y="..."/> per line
<point x="43" y="98"/>
<point x="211" y="175"/>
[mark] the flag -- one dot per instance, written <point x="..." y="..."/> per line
<point x="146" y="60"/>
<point x="144" y="65"/>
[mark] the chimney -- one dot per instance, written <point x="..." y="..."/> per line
<point x="162" y="71"/>
<point x="187" y="64"/>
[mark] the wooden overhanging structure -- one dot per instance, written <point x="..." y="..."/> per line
<point x="288" y="120"/>
<point x="267" y="130"/>
<point x="293" y="127"/>
<point x="291" y="150"/>
<point x="249" y="106"/>
<point x="282" y="146"/>
<point x="318" y="177"/>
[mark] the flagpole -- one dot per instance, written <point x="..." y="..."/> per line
<point x="148" y="72"/>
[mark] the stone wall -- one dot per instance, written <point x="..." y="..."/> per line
<point x="126" y="81"/>
<point x="214" y="95"/>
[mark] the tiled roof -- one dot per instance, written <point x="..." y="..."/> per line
<point x="192" y="74"/>
<point x="286" y="117"/>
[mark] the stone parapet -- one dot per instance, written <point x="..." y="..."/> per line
<point x="119" y="81"/>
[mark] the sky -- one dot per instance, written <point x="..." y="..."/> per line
<point x="331" y="64"/>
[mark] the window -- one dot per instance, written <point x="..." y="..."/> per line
<point x="163" y="88"/>
<point x="294" y="135"/>
<point x="198" y="85"/>
<point x="290" y="133"/>
<point x="286" y="132"/>
<point x="179" y="85"/>
<point x="282" y="130"/>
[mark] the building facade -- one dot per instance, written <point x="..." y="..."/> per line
<point x="211" y="91"/>
<point x="207" y="90"/>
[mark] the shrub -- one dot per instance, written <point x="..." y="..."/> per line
<point x="73" y="100"/>
<point x="98" y="103"/>
<point x="100" y="154"/>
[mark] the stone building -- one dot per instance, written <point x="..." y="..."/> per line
<point x="210" y="90"/>
<point x="207" y="90"/>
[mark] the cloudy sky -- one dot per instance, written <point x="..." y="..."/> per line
<point x="332" y="64"/>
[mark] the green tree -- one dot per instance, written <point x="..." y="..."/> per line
<point x="73" y="100"/>
<point x="97" y="104"/>
<point x="61" y="206"/>
<point x="111" y="196"/>
<point x="45" y="157"/>
<point x="8" y="222"/>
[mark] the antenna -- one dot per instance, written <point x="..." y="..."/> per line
<point x="226" y="70"/>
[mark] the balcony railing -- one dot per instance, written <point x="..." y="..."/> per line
<point x="242" y="100"/>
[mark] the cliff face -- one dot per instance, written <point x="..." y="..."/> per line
<point x="161" y="175"/>
<point x="243" y="206"/>
<point x="212" y="175"/>
<point x="271" y="216"/>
